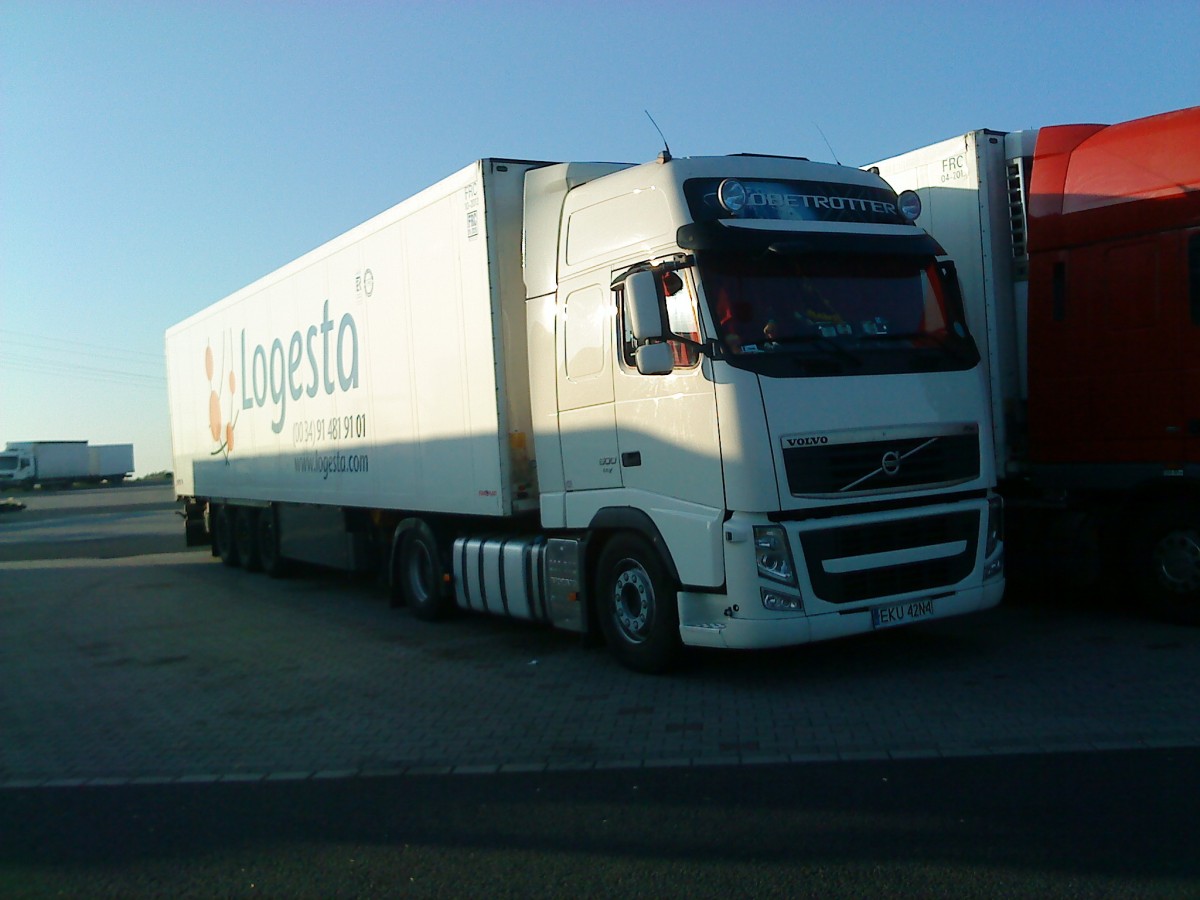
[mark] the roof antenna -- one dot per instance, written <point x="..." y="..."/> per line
<point x="665" y="156"/>
<point x="827" y="144"/>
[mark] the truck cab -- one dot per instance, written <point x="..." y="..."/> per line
<point x="17" y="467"/>
<point x="756" y="373"/>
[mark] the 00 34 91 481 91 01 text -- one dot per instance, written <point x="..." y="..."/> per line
<point x="333" y="428"/>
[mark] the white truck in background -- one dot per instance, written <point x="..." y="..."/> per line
<point x="726" y="402"/>
<point x="53" y="463"/>
<point x="1078" y="247"/>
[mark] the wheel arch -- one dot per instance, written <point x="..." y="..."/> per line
<point x="613" y="520"/>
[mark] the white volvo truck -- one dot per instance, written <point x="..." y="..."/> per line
<point x="724" y="402"/>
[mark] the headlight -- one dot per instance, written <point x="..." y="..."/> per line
<point x="773" y="555"/>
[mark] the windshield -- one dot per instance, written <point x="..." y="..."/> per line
<point x="808" y="315"/>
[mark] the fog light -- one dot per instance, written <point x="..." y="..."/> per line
<point x="994" y="568"/>
<point x="995" y="526"/>
<point x="731" y="195"/>
<point x="780" y="602"/>
<point x="910" y="205"/>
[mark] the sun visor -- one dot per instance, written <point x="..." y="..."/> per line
<point x="717" y="236"/>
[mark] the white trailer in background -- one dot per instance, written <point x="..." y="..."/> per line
<point x="727" y="402"/>
<point x="110" y="462"/>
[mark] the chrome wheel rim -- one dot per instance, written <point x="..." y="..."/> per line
<point x="633" y="601"/>
<point x="1177" y="562"/>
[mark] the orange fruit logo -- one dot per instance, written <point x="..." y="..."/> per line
<point x="220" y="429"/>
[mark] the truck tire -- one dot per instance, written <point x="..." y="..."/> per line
<point x="1166" y="561"/>
<point x="419" y="573"/>
<point x="637" y="605"/>
<point x="267" y="533"/>
<point x="223" y="539"/>
<point x="245" y="538"/>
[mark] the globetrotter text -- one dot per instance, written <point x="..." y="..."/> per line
<point x="276" y="375"/>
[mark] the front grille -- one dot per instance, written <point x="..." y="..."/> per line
<point x="909" y="534"/>
<point x="860" y="467"/>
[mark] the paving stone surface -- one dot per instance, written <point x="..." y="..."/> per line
<point x="119" y="664"/>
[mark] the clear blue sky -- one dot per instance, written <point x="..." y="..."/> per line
<point x="155" y="157"/>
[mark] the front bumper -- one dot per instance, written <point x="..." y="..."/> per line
<point x="845" y="567"/>
<point x="737" y="630"/>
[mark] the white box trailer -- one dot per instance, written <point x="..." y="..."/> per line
<point x="340" y="381"/>
<point x="596" y="395"/>
<point x="972" y="190"/>
<point x="110" y="462"/>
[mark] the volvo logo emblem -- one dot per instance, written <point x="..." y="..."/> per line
<point x="891" y="463"/>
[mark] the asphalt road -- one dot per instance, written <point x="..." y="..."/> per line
<point x="169" y="727"/>
<point x="1091" y="825"/>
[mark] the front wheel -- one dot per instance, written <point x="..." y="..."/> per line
<point x="1166" y="561"/>
<point x="637" y="605"/>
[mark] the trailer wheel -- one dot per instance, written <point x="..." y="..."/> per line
<point x="637" y="605"/>
<point x="419" y="573"/>
<point x="267" y="534"/>
<point x="1166" y="561"/>
<point x="245" y="538"/>
<point x="224" y="542"/>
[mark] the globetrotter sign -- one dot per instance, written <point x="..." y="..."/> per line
<point x="823" y="201"/>
<point x="818" y="202"/>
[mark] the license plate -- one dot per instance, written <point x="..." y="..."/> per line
<point x="901" y="613"/>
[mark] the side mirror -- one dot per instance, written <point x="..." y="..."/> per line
<point x="643" y="306"/>
<point x="655" y="359"/>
